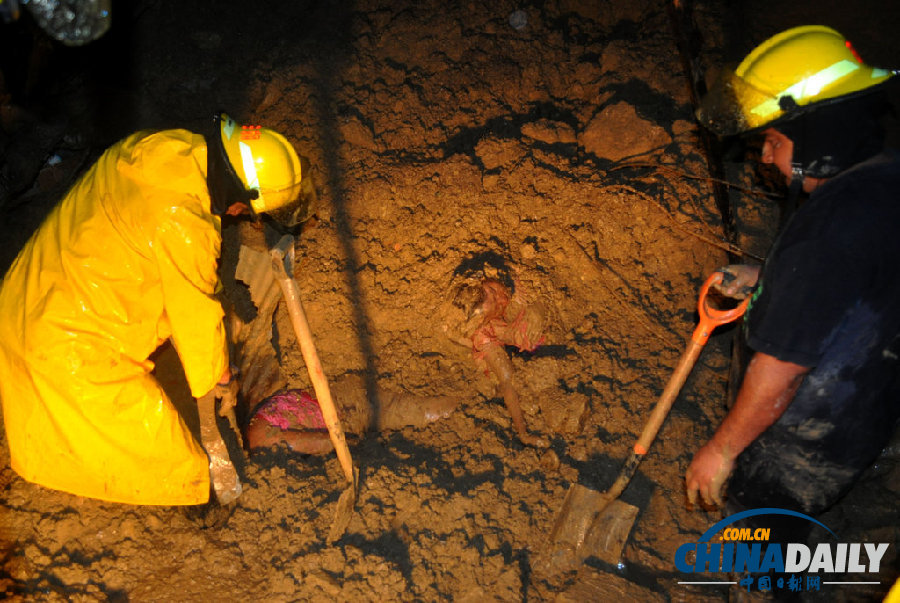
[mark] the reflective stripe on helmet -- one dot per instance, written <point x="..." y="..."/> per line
<point x="249" y="167"/>
<point x="265" y="163"/>
<point x="808" y="87"/>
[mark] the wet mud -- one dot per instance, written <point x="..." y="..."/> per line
<point x="556" y="155"/>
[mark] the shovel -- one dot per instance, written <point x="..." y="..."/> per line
<point x="282" y="258"/>
<point x="259" y="272"/>
<point x="579" y="530"/>
<point x="223" y="475"/>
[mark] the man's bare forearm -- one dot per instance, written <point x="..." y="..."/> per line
<point x="768" y="388"/>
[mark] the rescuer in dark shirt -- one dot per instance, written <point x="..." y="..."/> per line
<point x="820" y="397"/>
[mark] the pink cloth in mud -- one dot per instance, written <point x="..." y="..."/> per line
<point x="292" y="409"/>
<point x="517" y="334"/>
<point x="500" y="332"/>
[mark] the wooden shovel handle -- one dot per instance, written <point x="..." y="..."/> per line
<point x="291" y="292"/>
<point x="670" y="393"/>
<point x="710" y="318"/>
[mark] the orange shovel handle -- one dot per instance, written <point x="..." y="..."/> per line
<point x="710" y="318"/>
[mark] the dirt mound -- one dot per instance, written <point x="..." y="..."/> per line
<point x="559" y="153"/>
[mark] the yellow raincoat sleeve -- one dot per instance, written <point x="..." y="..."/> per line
<point x="187" y="248"/>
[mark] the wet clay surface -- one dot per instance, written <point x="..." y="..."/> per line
<point x="446" y="140"/>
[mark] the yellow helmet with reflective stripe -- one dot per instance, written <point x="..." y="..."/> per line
<point x="794" y="69"/>
<point x="265" y="162"/>
<point x="808" y="64"/>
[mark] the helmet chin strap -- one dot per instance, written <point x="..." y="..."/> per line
<point x="798" y="175"/>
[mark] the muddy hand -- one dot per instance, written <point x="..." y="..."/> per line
<point x="707" y="474"/>
<point x="738" y="280"/>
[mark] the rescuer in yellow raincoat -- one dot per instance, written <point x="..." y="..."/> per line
<point x="127" y="260"/>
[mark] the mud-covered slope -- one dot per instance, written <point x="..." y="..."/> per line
<point x="445" y="143"/>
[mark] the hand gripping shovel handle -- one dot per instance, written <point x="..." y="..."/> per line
<point x="320" y="384"/>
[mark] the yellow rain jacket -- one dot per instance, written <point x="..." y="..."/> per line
<point x="126" y="261"/>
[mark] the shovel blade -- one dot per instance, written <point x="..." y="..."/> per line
<point x="226" y="484"/>
<point x="346" y="505"/>
<point x="609" y="533"/>
<point x="578" y="511"/>
<point x="225" y="480"/>
<point x="570" y="529"/>
<point x="590" y="523"/>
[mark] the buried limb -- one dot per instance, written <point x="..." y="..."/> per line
<point x="293" y="416"/>
<point x="496" y="319"/>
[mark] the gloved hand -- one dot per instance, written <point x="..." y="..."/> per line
<point x="738" y="280"/>
<point x="707" y="474"/>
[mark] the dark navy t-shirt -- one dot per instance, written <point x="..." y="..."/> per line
<point x="839" y="255"/>
<point x="829" y="299"/>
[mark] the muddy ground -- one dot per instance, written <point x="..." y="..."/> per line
<point x="445" y="137"/>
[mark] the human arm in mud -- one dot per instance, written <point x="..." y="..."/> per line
<point x="294" y="418"/>
<point x="262" y="434"/>
<point x="498" y="362"/>
<point x="768" y="388"/>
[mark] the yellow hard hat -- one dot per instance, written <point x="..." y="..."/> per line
<point x="792" y="70"/>
<point x="268" y="166"/>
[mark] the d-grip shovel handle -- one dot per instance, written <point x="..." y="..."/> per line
<point x="710" y="318"/>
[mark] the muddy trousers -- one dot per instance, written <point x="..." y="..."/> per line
<point x="779" y="471"/>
